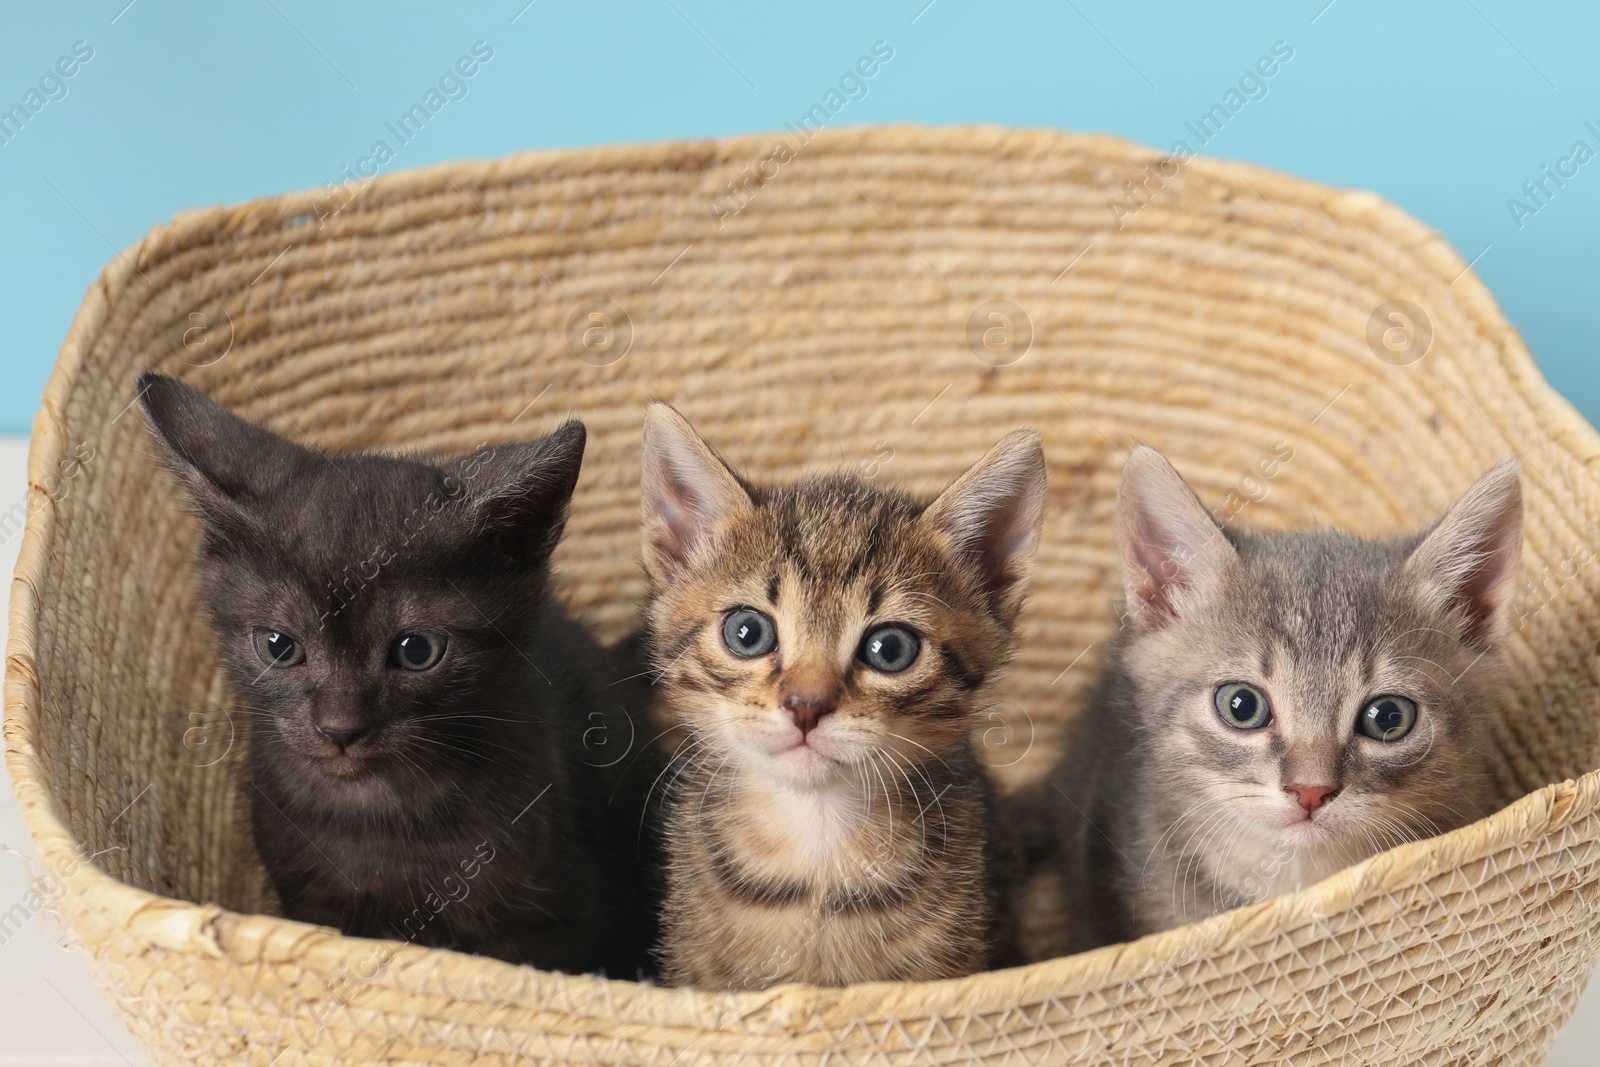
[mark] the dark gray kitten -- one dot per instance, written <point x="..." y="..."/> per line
<point x="1278" y="707"/>
<point x="418" y="704"/>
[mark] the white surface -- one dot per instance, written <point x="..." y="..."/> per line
<point x="52" y="1014"/>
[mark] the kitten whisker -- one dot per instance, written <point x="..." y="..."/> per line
<point x="1199" y="867"/>
<point x="704" y="793"/>
<point x="685" y="753"/>
<point x="925" y="748"/>
<point x="1190" y="859"/>
<point x="1418" y="814"/>
<point x="888" y="803"/>
<point x="911" y="594"/>
<point x="639" y="674"/>
<point x="944" y="822"/>
<point x="1444" y="672"/>
<point x="473" y="715"/>
<point x="1201" y="806"/>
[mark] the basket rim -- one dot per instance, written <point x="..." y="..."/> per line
<point x="183" y="926"/>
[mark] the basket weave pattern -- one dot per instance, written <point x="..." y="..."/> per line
<point x="826" y="323"/>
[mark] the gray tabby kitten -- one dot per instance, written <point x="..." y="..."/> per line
<point x="1278" y="707"/>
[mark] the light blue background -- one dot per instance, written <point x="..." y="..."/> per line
<point x="1444" y="106"/>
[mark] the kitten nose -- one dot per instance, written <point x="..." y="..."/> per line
<point x="342" y="732"/>
<point x="808" y="692"/>
<point x="1311" y="797"/>
<point x="807" y="710"/>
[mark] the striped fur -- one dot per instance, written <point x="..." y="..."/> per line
<point x="864" y="851"/>
<point x="1161" y="813"/>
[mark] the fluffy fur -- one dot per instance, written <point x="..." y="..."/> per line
<point x="1162" y="813"/>
<point x="858" y="846"/>
<point x="456" y="806"/>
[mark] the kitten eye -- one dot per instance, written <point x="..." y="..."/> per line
<point x="890" y="649"/>
<point x="278" y="649"/>
<point x="416" y="652"/>
<point x="749" y="633"/>
<point x="1387" y="718"/>
<point x="1243" y="707"/>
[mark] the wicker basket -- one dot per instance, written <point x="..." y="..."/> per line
<point x="832" y="303"/>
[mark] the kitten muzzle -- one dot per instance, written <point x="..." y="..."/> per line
<point x="343" y="746"/>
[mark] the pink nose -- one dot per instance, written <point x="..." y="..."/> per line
<point x="1311" y="797"/>
<point x="807" y="711"/>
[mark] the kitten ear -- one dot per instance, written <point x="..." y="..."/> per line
<point x="1465" y="563"/>
<point x="521" y="493"/>
<point x="688" y="491"/>
<point x="993" y="514"/>
<point x="1172" y="550"/>
<point x="227" y="463"/>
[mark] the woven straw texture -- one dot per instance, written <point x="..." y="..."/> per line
<point x="820" y="309"/>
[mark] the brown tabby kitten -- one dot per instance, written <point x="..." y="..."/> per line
<point x="1282" y="706"/>
<point x="828" y="645"/>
